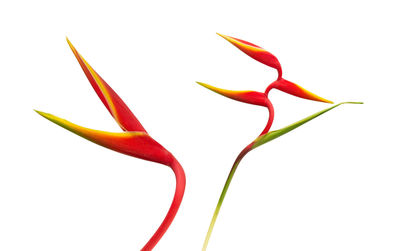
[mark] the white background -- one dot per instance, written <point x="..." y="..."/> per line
<point x="333" y="184"/>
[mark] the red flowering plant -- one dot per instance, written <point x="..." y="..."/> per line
<point x="133" y="141"/>
<point x="261" y="99"/>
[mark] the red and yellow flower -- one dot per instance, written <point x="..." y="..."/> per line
<point x="261" y="99"/>
<point x="133" y="141"/>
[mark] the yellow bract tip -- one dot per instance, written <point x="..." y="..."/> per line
<point x="39" y="112"/>
<point x="70" y="44"/>
<point x="225" y="37"/>
<point x="213" y="88"/>
<point x="200" y="83"/>
<point x="45" y="115"/>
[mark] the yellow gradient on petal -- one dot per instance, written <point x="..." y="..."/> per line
<point x="90" y="134"/>
<point x="314" y="96"/>
<point x="223" y="92"/>
<point x="98" y="81"/>
<point x="240" y="44"/>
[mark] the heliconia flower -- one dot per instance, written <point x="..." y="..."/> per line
<point x="256" y="52"/>
<point x="258" y="98"/>
<point x="263" y="56"/>
<point x="134" y="141"/>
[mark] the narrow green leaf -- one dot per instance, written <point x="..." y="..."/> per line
<point x="275" y="134"/>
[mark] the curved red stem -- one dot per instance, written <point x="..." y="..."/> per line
<point x="270" y="117"/>
<point x="176" y="202"/>
<point x="279" y="72"/>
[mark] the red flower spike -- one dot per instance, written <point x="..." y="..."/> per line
<point x="263" y="56"/>
<point x="294" y="89"/>
<point x="256" y="52"/>
<point x="134" y="141"/>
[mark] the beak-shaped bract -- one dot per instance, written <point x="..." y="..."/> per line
<point x="114" y="104"/>
<point x="250" y="97"/>
<point x="136" y="144"/>
<point x="256" y="52"/>
<point x="294" y="89"/>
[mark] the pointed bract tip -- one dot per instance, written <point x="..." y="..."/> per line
<point x="206" y="85"/>
<point x="44" y="114"/>
<point x="210" y="87"/>
<point x="39" y="112"/>
<point x="200" y="83"/>
<point x="319" y="99"/>
<point x="70" y="44"/>
<point x="230" y="39"/>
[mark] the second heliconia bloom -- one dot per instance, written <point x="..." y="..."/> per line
<point x="261" y="99"/>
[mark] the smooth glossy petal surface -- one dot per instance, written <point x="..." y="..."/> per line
<point x="136" y="144"/>
<point x="277" y="133"/>
<point x="256" y="52"/>
<point x="114" y="104"/>
<point x="250" y="97"/>
<point x="295" y="90"/>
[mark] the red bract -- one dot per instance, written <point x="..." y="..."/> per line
<point x="134" y="141"/>
<point x="256" y="52"/>
<point x="259" y="98"/>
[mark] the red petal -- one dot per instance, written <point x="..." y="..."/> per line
<point x="114" y="104"/>
<point x="294" y="89"/>
<point x="256" y="52"/>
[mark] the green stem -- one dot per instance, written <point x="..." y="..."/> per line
<point x="262" y="139"/>
<point x="223" y="193"/>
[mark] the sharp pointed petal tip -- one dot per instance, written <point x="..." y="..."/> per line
<point x="43" y="114"/>
<point x="325" y="101"/>
<point x="70" y="44"/>
<point x="200" y="83"/>
<point x="222" y="35"/>
<point x="68" y="41"/>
